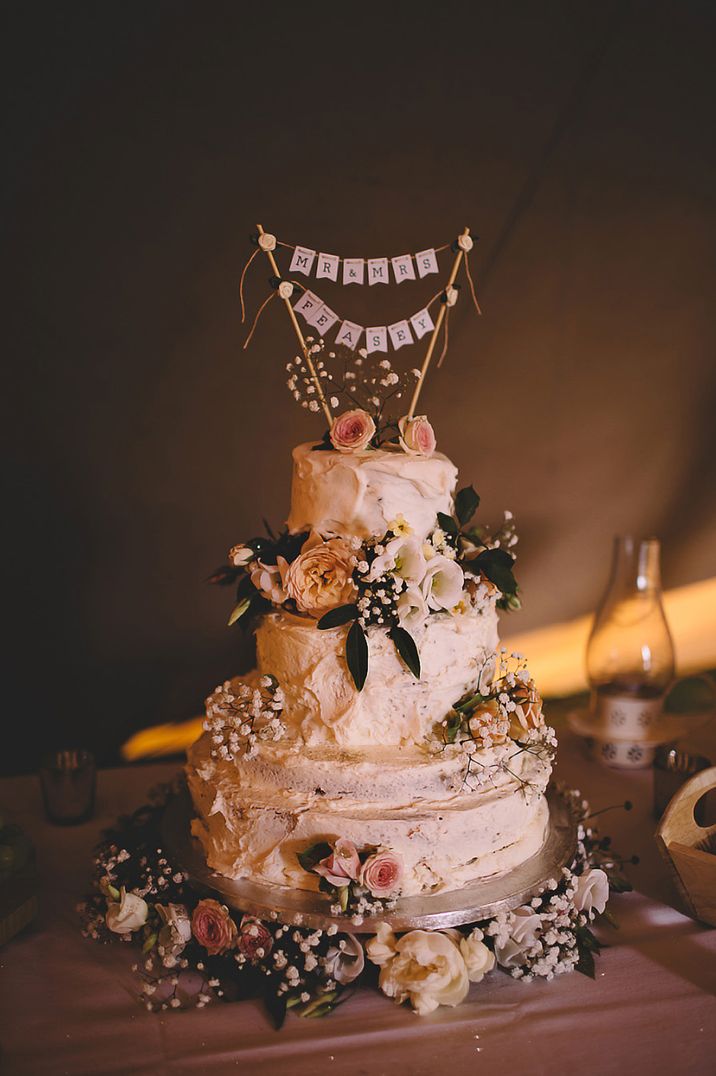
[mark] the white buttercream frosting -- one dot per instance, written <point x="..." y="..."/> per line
<point x="361" y="494"/>
<point x="393" y="708"/>
<point x="356" y="764"/>
<point x="255" y="815"/>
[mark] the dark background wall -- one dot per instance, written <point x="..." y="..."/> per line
<point x="142" y="142"/>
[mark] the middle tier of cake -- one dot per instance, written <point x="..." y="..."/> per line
<point x="322" y="703"/>
<point x="449" y="825"/>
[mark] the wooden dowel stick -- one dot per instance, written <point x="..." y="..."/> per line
<point x="436" y="331"/>
<point x="304" y="347"/>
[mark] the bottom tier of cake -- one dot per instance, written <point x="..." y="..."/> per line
<point x="450" y="825"/>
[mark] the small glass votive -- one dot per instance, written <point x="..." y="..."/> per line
<point x="68" y="779"/>
<point x="672" y="769"/>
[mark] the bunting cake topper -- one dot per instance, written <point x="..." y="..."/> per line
<point x="301" y="300"/>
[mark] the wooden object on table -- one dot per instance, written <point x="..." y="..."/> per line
<point x="690" y="849"/>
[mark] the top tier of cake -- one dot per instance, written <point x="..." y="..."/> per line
<point x="361" y="494"/>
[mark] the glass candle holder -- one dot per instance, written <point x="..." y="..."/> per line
<point x="68" y="779"/>
<point x="630" y="655"/>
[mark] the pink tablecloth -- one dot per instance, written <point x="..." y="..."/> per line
<point x="68" y="1005"/>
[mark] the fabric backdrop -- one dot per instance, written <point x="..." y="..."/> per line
<point x="142" y="143"/>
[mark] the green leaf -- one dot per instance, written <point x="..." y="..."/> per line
<point x="336" y="617"/>
<point x="405" y="645"/>
<point x="470" y="702"/>
<point x="454" y="723"/>
<point x="276" y="1007"/>
<point x="586" y="963"/>
<point x="466" y="504"/>
<point x="310" y="856"/>
<point x="225" y="575"/>
<point x="497" y="565"/>
<point x="448" y="524"/>
<point x="357" y="654"/>
<point x="239" y="609"/>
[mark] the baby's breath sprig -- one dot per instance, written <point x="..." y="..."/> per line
<point x="238" y="718"/>
<point x="352" y="379"/>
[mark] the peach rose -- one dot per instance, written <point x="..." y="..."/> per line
<point x="382" y="874"/>
<point x="213" y="927"/>
<point x="417" y="436"/>
<point x="352" y="431"/>
<point x="321" y="577"/>
<point x="254" y="939"/>
<point x="528" y="714"/>
<point x="342" y="866"/>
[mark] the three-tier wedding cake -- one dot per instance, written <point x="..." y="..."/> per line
<point x="382" y="721"/>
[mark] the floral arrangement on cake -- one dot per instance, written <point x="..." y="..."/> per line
<point x="194" y="950"/>
<point x="393" y="582"/>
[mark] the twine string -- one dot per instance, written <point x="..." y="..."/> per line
<point x="472" y="286"/>
<point x="241" y="285"/>
<point x="259" y="312"/>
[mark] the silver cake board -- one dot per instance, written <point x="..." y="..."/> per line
<point x="431" y="911"/>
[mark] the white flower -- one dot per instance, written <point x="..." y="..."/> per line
<point x="267" y="241"/>
<point x="269" y="580"/>
<point x="443" y="583"/>
<point x="381" y="947"/>
<point x="240" y="555"/>
<point x="524" y="929"/>
<point x="176" y="930"/>
<point x="127" y="914"/>
<point x="403" y="556"/>
<point x="412" y="609"/>
<point x="285" y="289"/>
<point x="345" y="964"/>
<point x="478" y="958"/>
<point x="451" y="294"/>
<point x="465" y="243"/>
<point x="400" y="526"/>
<point x="427" y="969"/>
<point x="592" y="892"/>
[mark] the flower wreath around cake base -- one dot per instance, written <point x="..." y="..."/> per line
<point x="193" y="950"/>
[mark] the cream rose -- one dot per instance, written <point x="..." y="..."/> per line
<point x="525" y="927"/>
<point x="321" y="577"/>
<point x="127" y="914"/>
<point x="427" y="969"/>
<point x="417" y="436"/>
<point x="592" y="892"/>
<point x="352" y="431"/>
<point x="443" y="583"/>
<point x="381" y="947"/>
<point x="478" y="958"/>
<point x="345" y="961"/>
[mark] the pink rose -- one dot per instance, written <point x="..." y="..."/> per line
<point x="342" y="866"/>
<point x="417" y="436"/>
<point x="382" y="874"/>
<point x="213" y="927"/>
<point x="254" y="940"/>
<point x="352" y="431"/>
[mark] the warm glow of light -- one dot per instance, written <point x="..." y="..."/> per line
<point x="555" y="655"/>
<point x="160" y="740"/>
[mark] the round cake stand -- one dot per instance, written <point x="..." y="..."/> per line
<point x="432" y="911"/>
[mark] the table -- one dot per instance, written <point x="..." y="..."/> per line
<point x="68" y="1005"/>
